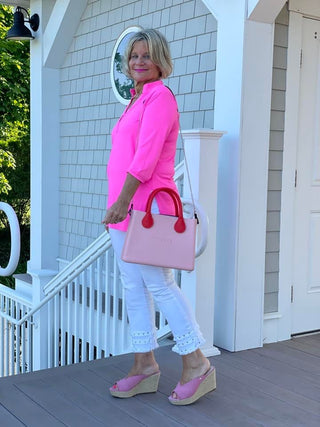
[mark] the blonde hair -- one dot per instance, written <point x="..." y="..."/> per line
<point x="158" y="48"/>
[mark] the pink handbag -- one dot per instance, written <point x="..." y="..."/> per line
<point x="161" y="240"/>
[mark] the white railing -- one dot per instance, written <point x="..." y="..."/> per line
<point x="81" y="315"/>
<point x="86" y="317"/>
<point x="83" y="311"/>
<point x="16" y="337"/>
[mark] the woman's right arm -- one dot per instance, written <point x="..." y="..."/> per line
<point x="119" y="210"/>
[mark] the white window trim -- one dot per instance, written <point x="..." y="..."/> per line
<point x="112" y="76"/>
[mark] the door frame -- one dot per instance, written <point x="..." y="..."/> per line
<point x="277" y="326"/>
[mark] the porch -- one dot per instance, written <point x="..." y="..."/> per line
<point x="277" y="385"/>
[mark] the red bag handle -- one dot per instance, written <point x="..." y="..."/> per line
<point x="179" y="225"/>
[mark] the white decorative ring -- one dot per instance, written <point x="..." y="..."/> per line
<point x="15" y="240"/>
<point x="202" y="235"/>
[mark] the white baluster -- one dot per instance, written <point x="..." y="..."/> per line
<point x="99" y="306"/>
<point x="76" y="320"/>
<point x="69" y="326"/>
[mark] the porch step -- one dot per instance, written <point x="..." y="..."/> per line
<point x="23" y="285"/>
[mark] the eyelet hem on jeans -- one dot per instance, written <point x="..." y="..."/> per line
<point x="143" y="341"/>
<point x="187" y="343"/>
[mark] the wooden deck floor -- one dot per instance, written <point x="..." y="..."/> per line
<point x="277" y="385"/>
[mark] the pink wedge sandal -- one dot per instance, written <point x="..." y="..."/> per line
<point x="194" y="389"/>
<point x="137" y="384"/>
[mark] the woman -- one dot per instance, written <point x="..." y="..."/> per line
<point x="142" y="159"/>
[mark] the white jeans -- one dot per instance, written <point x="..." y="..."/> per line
<point x="143" y="284"/>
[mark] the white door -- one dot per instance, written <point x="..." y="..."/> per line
<point x="306" y="250"/>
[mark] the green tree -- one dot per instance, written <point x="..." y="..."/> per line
<point x="14" y="138"/>
<point x="123" y="84"/>
<point x="14" y="119"/>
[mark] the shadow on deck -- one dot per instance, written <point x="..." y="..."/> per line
<point x="277" y="385"/>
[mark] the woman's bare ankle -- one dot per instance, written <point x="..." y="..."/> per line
<point x="195" y="364"/>
<point x="144" y="364"/>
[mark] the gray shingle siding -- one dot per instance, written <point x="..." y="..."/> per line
<point x="275" y="162"/>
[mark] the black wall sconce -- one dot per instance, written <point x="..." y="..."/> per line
<point x="19" y="31"/>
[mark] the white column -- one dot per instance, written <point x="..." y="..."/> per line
<point x="253" y="184"/>
<point x="242" y="108"/>
<point x="202" y="156"/>
<point x="45" y="130"/>
<point x="45" y="133"/>
<point x="227" y="116"/>
<point x="58" y="22"/>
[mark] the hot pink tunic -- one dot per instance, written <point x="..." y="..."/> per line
<point x="144" y="144"/>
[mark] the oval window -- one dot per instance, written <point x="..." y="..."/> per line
<point x="121" y="84"/>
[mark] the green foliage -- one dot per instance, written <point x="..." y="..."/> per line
<point x="123" y="84"/>
<point x="14" y="119"/>
<point x="14" y="77"/>
<point x="6" y="161"/>
<point x="14" y="139"/>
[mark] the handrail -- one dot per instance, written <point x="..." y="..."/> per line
<point x="11" y="293"/>
<point x="15" y="240"/>
<point x="178" y="171"/>
<point x="80" y="263"/>
<point x="72" y="270"/>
